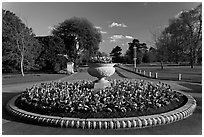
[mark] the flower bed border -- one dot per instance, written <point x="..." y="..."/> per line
<point x="106" y="123"/>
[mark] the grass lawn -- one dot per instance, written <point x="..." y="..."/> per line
<point x="17" y="78"/>
<point x="171" y="72"/>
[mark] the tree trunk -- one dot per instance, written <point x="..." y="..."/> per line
<point x="196" y="57"/>
<point x="75" y="64"/>
<point x="22" y="71"/>
<point x="162" y="66"/>
<point x="191" y="63"/>
<point x="191" y="58"/>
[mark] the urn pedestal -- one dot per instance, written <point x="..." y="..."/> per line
<point x="101" y="71"/>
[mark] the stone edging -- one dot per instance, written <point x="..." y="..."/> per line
<point x="108" y="123"/>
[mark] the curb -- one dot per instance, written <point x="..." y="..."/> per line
<point x="108" y="123"/>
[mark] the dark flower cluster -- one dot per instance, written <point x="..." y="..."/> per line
<point x="100" y="59"/>
<point x="123" y="96"/>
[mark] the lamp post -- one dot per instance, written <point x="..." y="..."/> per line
<point x="135" y="57"/>
<point x="135" y="44"/>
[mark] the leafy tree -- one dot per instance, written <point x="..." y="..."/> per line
<point x="146" y="57"/>
<point x="140" y="49"/>
<point x="152" y="54"/>
<point x="116" y="54"/>
<point x="19" y="47"/>
<point x="192" y="22"/>
<point x="168" y="49"/>
<point x="51" y="47"/>
<point x="116" y="51"/>
<point x="181" y="40"/>
<point x="101" y="54"/>
<point x="78" y="31"/>
<point x="162" y="48"/>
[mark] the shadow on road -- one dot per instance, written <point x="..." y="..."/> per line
<point x="194" y="87"/>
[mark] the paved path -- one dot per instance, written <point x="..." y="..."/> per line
<point x="191" y="125"/>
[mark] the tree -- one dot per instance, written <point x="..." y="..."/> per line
<point x="116" y="54"/>
<point x="19" y="47"/>
<point x="116" y="51"/>
<point x="185" y="34"/>
<point x="159" y="37"/>
<point x="146" y="57"/>
<point x="175" y="41"/>
<point x="192" y="22"/>
<point x="88" y="37"/>
<point x="99" y="53"/>
<point x="162" y="48"/>
<point x="140" y="49"/>
<point x="181" y="39"/>
<point x="152" y="54"/>
<point x="51" y="47"/>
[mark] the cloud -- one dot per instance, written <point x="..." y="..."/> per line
<point x="129" y="37"/>
<point x="118" y="37"/>
<point x="98" y="27"/>
<point x="114" y="38"/>
<point x="115" y="24"/>
<point x="103" y="32"/>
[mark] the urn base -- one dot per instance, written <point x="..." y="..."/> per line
<point x="101" y="84"/>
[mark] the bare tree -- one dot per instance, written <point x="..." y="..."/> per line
<point x="156" y="37"/>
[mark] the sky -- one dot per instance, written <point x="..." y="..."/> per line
<point x="118" y="22"/>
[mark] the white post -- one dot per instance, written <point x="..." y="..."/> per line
<point x="156" y="75"/>
<point x="144" y="72"/>
<point x="179" y="77"/>
<point x="150" y="74"/>
<point x="136" y="70"/>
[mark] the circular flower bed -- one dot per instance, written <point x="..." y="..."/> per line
<point x="125" y="98"/>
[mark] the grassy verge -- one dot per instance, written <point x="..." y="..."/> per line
<point x="171" y="72"/>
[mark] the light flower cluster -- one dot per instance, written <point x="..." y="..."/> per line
<point x="123" y="96"/>
<point x="100" y="59"/>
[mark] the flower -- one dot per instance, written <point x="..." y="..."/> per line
<point x="123" y="96"/>
<point x="100" y="59"/>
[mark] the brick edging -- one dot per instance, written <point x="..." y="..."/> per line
<point x="106" y="123"/>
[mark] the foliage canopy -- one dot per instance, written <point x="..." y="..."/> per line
<point x="19" y="47"/>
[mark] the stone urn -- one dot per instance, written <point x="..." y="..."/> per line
<point x="101" y="71"/>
